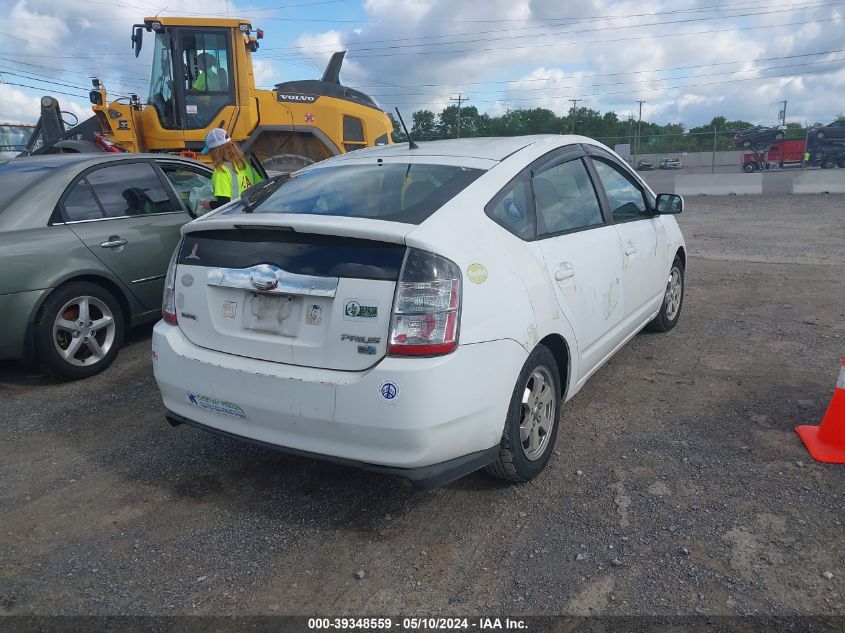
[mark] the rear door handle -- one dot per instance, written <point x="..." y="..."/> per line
<point x="564" y="271"/>
<point x="113" y="242"/>
<point x="630" y="248"/>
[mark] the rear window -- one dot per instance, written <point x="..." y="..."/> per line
<point x="398" y="192"/>
<point x="17" y="175"/>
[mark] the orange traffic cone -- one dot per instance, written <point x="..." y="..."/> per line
<point x="826" y="442"/>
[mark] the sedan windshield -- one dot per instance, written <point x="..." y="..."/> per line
<point x="17" y="175"/>
<point x="397" y="192"/>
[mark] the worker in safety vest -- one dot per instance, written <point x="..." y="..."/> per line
<point x="211" y="77"/>
<point x="232" y="172"/>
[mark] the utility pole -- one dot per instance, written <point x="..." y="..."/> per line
<point x="783" y="113"/>
<point x="460" y="99"/>
<point x="639" y="128"/>
<point x="573" y="110"/>
<point x="713" y="160"/>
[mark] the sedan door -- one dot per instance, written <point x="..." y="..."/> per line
<point x="643" y="237"/>
<point x="130" y="220"/>
<point x="583" y="255"/>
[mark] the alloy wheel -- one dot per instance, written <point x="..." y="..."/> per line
<point x="673" y="294"/>
<point x="84" y="331"/>
<point x="538" y="413"/>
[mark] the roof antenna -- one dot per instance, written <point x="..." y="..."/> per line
<point x="411" y="144"/>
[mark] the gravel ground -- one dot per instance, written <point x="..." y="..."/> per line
<point x="677" y="486"/>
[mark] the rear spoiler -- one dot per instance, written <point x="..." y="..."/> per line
<point x="361" y="228"/>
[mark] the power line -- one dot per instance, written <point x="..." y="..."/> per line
<point x="651" y="36"/>
<point x="555" y="33"/>
<point x="629" y="72"/>
<point x="635" y="81"/>
<point x="791" y="7"/>
<point x="737" y="6"/>
<point x="627" y="92"/>
<point x="10" y="83"/>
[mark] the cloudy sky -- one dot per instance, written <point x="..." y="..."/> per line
<point x="688" y="59"/>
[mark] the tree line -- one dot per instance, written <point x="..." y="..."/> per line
<point x="607" y="128"/>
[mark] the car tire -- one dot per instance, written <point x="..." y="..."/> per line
<point x="62" y="324"/>
<point x="673" y="299"/>
<point x="535" y="402"/>
<point x="749" y="168"/>
<point x="841" y="163"/>
<point x="827" y="163"/>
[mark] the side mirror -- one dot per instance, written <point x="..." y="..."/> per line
<point x="137" y="40"/>
<point x="669" y="203"/>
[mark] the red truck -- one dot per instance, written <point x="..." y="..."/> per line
<point x="781" y="153"/>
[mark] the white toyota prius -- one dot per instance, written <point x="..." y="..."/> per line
<point x="421" y="312"/>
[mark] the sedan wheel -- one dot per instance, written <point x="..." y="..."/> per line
<point x="79" y="331"/>
<point x="531" y="425"/>
<point x="83" y="331"/>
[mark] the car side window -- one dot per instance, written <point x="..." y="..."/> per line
<point x="131" y="189"/>
<point x="511" y="208"/>
<point x="626" y="198"/>
<point x="80" y="204"/>
<point x="192" y="186"/>
<point x="565" y="198"/>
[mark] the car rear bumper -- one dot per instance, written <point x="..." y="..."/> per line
<point x="448" y="414"/>
<point x="422" y="477"/>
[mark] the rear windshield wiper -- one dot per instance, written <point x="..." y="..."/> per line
<point x="257" y="194"/>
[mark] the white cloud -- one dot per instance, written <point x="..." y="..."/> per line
<point x="57" y="46"/>
<point x="265" y="73"/>
<point x="51" y="29"/>
<point x="592" y="59"/>
<point x="18" y="107"/>
<point x="503" y="46"/>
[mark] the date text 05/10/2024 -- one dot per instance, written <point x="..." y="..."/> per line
<point x="418" y="624"/>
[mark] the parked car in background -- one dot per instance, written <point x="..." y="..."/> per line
<point x="831" y="131"/>
<point x="758" y="136"/>
<point x="669" y="163"/>
<point x="84" y="245"/>
<point x="644" y="165"/>
<point x="13" y="138"/>
<point x="420" y="312"/>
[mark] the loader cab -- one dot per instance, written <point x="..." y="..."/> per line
<point x="192" y="77"/>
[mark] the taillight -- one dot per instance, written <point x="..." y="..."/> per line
<point x="168" y="301"/>
<point x="426" y="309"/>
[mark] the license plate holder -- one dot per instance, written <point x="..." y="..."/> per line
<point x="272" y="313"/>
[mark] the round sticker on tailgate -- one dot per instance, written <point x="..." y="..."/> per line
<point x="477" y="273"/>
<point x="389" y="391"/>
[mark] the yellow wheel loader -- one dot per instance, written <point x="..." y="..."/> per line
<point x="202" y="78"/>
